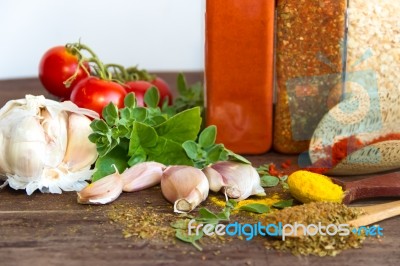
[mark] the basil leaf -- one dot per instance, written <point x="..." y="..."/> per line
<point x="207" y="136"/>
<point x="168" y="152"/>
<point x="142" y="136"/>
<point x="117" y="157"/>
<point x="283" y="204"/>
<point x="269" y="181"/>
<point x="255" y="207"/>
<point x="182" y="126"/>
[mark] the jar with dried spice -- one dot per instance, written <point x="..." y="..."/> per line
<point x="309" y="66"/>
<point x="239" y="72"/>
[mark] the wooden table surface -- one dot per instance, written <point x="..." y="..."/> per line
<point x="44" y="229"/>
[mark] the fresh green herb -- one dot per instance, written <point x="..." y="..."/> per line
<point x="135" y="134"/>
<point x="255" y="207"/>
<point x="283" y="182"/>
<point x="205" y="151"/>
<point x="283" y="204"/>
<point x="269" y="181"/>
<point x="182" y="234"/>
<point x="188" y="97"/>
<point x="205" y="216"/>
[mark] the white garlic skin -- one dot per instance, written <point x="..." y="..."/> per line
<point x="184" y="186"/>
<point x="239" y="180"/>
<point x="102" y="191"/>
<point x="142" y="176"/>
<point x="35" y="137"/>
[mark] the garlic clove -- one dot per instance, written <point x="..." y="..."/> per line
<point x="242" y="180"/>
<point x="55" y="129"/>
<point x="102" y="191"/>
<point x="80" y="153"/>
<point x="142" y="176"/>
<point x="215" y="179"/>
<point x="25" y="153"/>
<point x="184" y="186"/>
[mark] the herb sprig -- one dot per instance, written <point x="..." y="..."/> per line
<point x="133" y="134"/>
<point x="205" y="216"/>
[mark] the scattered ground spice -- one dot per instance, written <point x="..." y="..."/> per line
<point x="313" y="213"/>
<point x="143" y="222"/>
<point x="148" y="224"/>
<point x="220" y="202"/>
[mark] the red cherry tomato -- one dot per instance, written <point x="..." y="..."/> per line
<point x="139" y="87"/>
<point x="164" y="89"/>
<point x="94" y="93"/>
<point x="56" y="66"/>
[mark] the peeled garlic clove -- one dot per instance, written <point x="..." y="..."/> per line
<point x="102" y="191"/>
<point x="184" y="186"/>
<point x="242" y="180"/>
<point x="80" y="153"/>
<point x="142" y="176"/>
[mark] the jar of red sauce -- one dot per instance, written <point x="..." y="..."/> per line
<point x="239" y="73"/>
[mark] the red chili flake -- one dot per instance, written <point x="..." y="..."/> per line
<point x="286" y="164"/>
<point x="272" y="170"/>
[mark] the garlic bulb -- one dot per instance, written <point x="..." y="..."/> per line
<point x="142" y="176"/>
<point x="239" y="180"/>
<point x="184" y="186"/>
<point x="102" y="191"/>
<point x="44" y="145"/>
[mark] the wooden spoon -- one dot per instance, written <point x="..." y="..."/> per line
<point x="385" y="185"/>
<point x="373" y="214"/>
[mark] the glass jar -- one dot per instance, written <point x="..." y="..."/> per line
<point x="309" y="66"/>
<point x="239" y="73"/>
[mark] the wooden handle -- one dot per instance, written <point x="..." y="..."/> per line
<point x="376" y="213"/>
<point x="386" y="185"/>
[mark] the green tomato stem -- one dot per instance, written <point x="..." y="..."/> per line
<point x="101" y="70"/>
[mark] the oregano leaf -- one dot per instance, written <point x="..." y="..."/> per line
<point x="130" y="100"/>
<point x="152" y="97"/>
<point x="207" y="136"/>
<point x="255" y="207"/>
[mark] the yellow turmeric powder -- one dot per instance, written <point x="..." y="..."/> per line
<point x="310" y="187"/>
<point x="261" y="200"/>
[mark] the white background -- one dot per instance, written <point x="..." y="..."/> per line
<point x="158" y="35"/>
